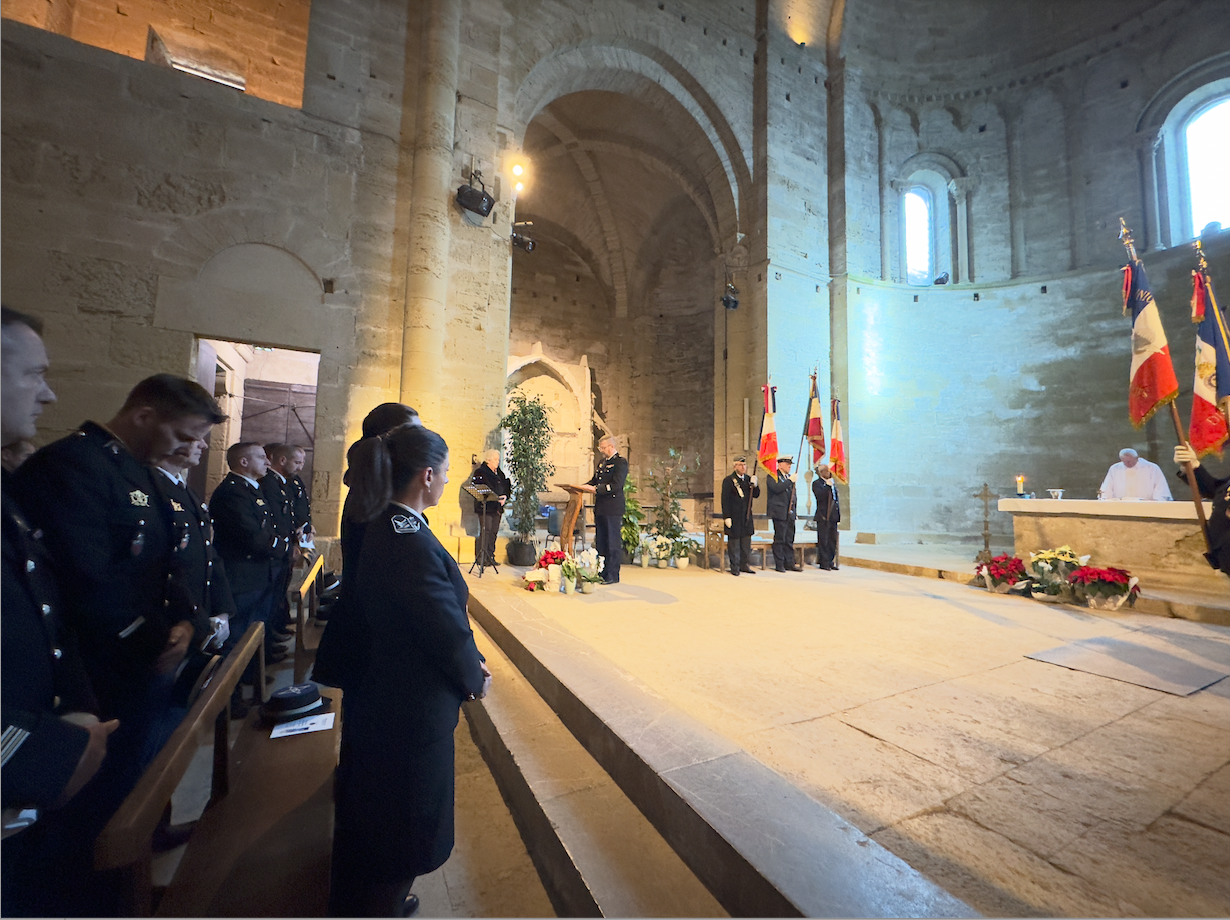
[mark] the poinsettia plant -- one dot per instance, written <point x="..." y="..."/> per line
<point x="1051" y="568"/>
<point x="1002" y="569"/>
<point x="552" y="557"/>
<point x="1091" y="581"/>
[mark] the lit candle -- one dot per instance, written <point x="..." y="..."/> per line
<point x="1020" y="485"/>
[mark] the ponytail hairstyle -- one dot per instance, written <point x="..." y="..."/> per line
<point x="387" y="416"/>
<point x="382" y="467"/>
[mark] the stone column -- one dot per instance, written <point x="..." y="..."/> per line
<point x="960" y="189"/>
<point x="422" y="350"/>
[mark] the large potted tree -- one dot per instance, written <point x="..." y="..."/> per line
<point x="529" y="433"/>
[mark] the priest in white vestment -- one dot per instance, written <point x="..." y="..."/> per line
<point x="1133" y="477"/>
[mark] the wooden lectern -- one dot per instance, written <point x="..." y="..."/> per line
<point x="571" y="513"/>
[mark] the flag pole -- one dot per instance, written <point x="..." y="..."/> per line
<point x="1125" y="237"/>
<point x="1202" y="268"/>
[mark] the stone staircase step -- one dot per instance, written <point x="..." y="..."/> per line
<point x="595" y="852"/>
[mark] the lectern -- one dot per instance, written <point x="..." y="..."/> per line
<point x="483" y="494"/>
<point x="571" y="513"/>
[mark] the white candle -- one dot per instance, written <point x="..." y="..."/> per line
<point x="1020" y="485"/>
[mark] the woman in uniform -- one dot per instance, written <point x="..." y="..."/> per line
<point x="394" y="793"/>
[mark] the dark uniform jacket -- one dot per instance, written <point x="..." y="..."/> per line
<point x="737" y="495"/>
<point x="109" y="533"/>
<point x="608" y="482"/>
<point x="828" y="506"/>
<point x="244" y="535"/>
<point x="279" y="495"/>
<point x="196" y="568"/>
<point x="341" y="657"/>
<point x="1219" y="521"/>
<point x="42" y="675"/>
<point x="301" y="502"/>
<point x="783" y="503"/>
<point x="496" y="481"/>
<point x="423" y="660"/>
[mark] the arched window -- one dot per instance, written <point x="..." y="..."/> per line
<point x="918" y="235"/>
<point x="1206" y="147"/>
<point x="1185" y="135"/>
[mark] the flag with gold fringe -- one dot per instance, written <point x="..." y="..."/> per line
<point x="1211" y="391"/>
<point x="813" y="430"/>
<point x="1151" y="381"/>
<point x="767" y="451"/>
<point x="837" y="447"/>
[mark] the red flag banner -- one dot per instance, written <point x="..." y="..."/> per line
<point x="837" y="448"/>
<point x="1152" y="383"/>
<point x="767" y="451"/>
<point x="814" y="430"/>
<point x="1211" y="391"/>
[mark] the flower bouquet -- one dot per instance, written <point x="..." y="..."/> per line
<point x="569" y="571"/>
<point x="589" y="569"/>
<point x="535" y="580"/>
<point x="1104" y="589"/>
<point x="1001" y="573"/>
<point x="1051" y="568"/>
<point x="656" y="549"/>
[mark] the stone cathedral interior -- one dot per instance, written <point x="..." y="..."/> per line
<point x="917" y="201"/>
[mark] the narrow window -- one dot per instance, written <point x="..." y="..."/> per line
<point x="916" y="208"/>
<point x="1207" y="139"/>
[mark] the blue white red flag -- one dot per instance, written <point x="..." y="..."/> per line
<point x="813" y="430"/>
<point x="1210" y="420"/>
<point x="1151" y="382"/>
<point x="837" y="448"/>
<point x="767" y="449"/>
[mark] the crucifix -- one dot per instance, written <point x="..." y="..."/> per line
<point x="986" y="495"/>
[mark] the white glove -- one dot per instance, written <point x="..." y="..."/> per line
<point x="755" y="481"/>
<point x="730" y="522"/>
<point x="1184" y="454"/>
<point x="220" y="627"/>
<point x="794" y="477"/>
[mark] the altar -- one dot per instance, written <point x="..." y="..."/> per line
<point x="1160" y="542"/>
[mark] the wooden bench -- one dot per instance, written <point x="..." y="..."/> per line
<point x="124" y="844"/>
<point x="761" y="540"/>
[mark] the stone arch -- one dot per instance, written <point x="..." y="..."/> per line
<point x="641" y="70"/>
<point x="566" y="389"/>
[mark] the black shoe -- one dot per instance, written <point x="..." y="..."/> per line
<point x="169" y="836"/>
<point x="734" y="572"/>
<point x="329" y="582"/>
<point x="779" y="569"/>
<point x="282" y="636"/>
<point x="410" y="906"/>
<point x="749" y="570"/>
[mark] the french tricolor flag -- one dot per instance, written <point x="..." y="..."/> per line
<point x="1211" y="392"/>
<point x="1152" y="381"/>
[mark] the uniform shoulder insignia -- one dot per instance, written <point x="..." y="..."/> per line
<point x="404" y="523"/>
<point x="138" y="498"/>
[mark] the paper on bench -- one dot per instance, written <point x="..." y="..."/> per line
<point x="321" y="723"/>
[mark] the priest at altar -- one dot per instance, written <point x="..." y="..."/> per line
<point x="1134" y="478"/>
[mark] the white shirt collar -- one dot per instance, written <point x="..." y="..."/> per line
<point x="248" y="479"/>
<point x="174" y="477"/>
<point x="417" y="514"/>
<point x="276" y="473"/>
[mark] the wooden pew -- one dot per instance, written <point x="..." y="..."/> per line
<point x="306" y="598"/>
<point x="124" y="844"/>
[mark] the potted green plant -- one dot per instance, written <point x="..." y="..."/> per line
<point x="682" y="548"/>
<point x="634" y="517"/>
<point x="668" y="524"/>
<point x="1050" y="569"/>
<point x="529" y="431"/>
<point x="1104" y="589"/>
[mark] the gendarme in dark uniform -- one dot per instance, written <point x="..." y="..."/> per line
<point x="828" y="513"/>
<point x="394" y="790"/>
<point x="280" y="497"/>
<point x="301" y="503"/>
<point x="1219" y="520"/>
<point x="196" y="568"/>
<point x="98" y="506"/>
<point x="43" y="679"/>
<point x="608" y="482"/>
<point x="782" y="509"/>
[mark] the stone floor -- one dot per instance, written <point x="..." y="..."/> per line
<point x="907" y="706"/>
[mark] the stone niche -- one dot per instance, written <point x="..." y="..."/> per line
<point x="565" y="389"/>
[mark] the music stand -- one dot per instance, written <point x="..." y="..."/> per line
<point x="482" y="493"/>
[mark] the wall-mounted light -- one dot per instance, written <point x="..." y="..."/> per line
<point x="520" y="235"/>
<point x="730" y="300"/>
<point x="520" y="176"/>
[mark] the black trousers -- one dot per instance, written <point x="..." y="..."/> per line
<point x="783" y="544"/>
<point x="609" y="544"/>
<point x="739" y="551"/>
<point x="488" y="529"/>
<point x="826" y="544"/>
